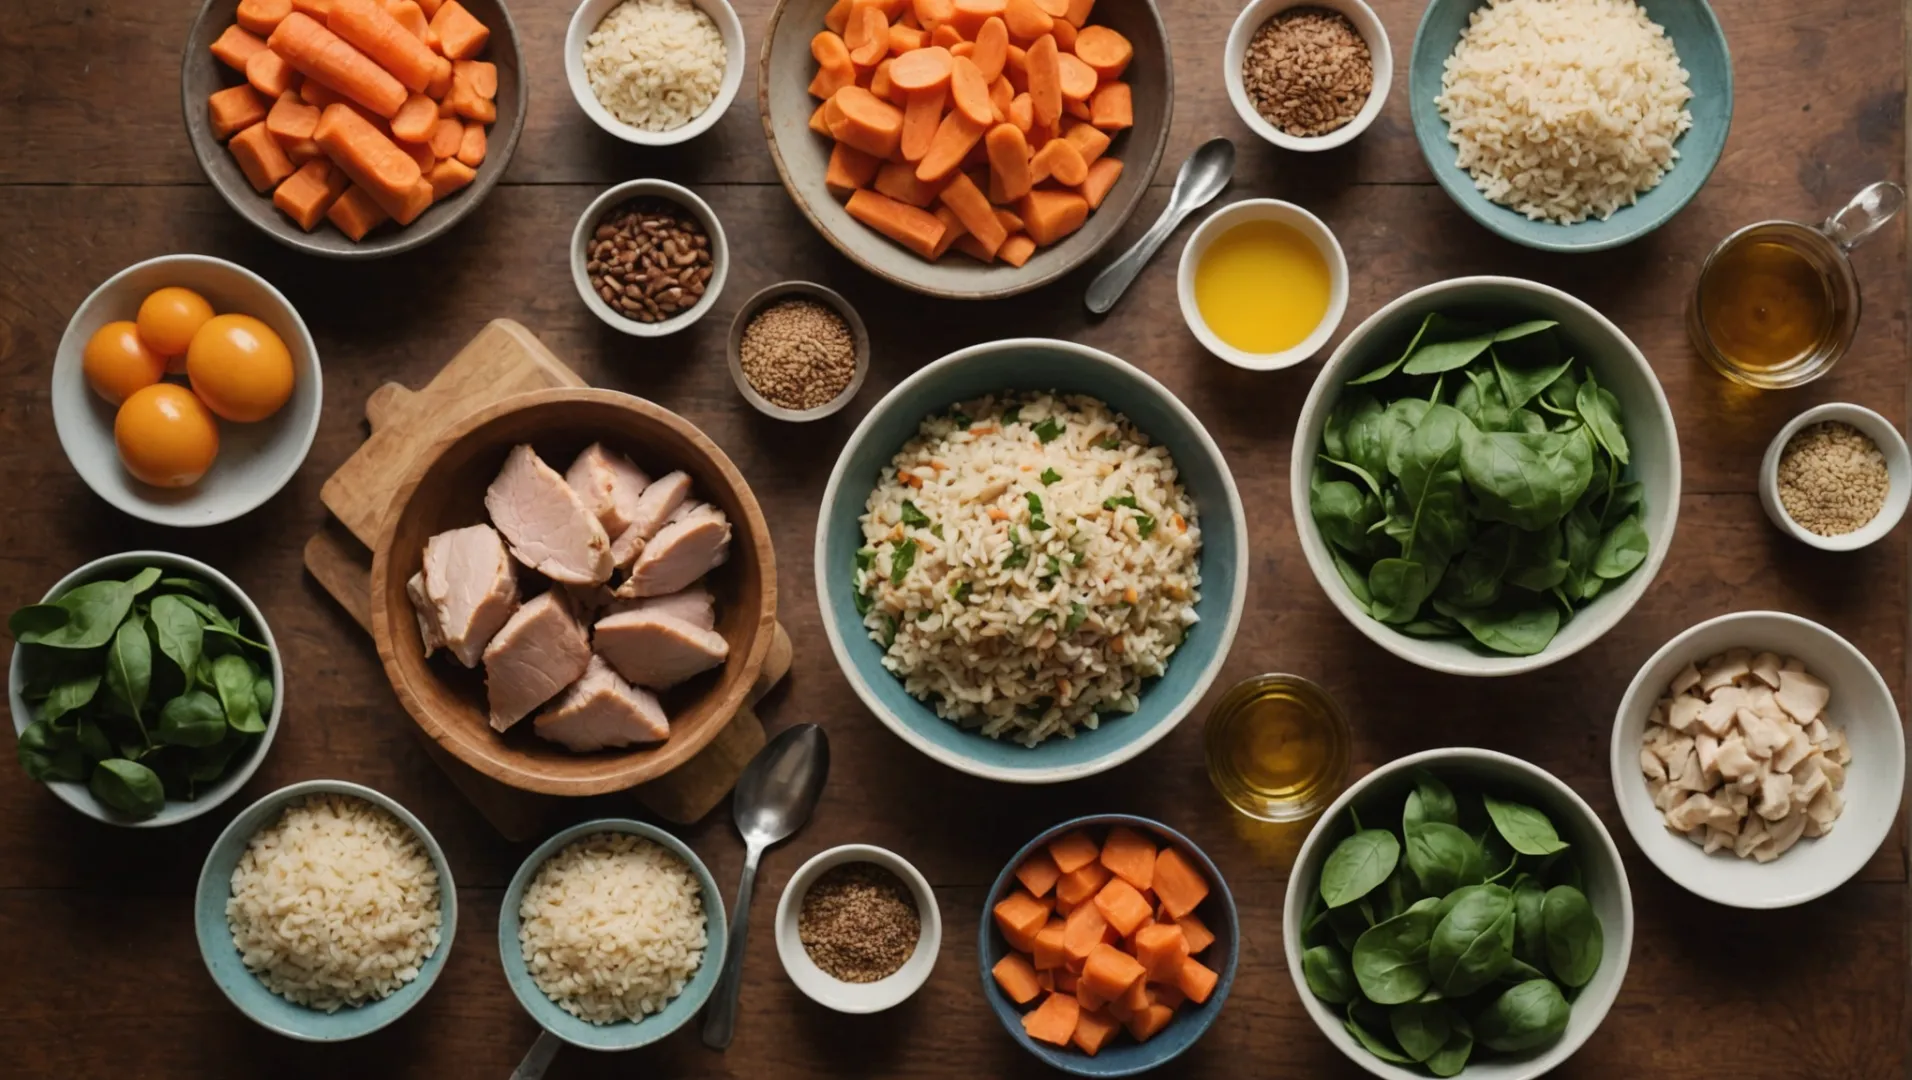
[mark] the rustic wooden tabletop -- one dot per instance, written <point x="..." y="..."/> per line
<point x="102" y="974"/>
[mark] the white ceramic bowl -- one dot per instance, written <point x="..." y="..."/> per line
<point x="617" y="196"/>
<point x="1236" y="50"/>
<point x="1605" y="879"/>
<point x="798" y="290"/>
<point x="255" y="460"/>
<point x="586" y="19"/>
<point x="1861" y="706"/>
<point x="1310" y="226"/>
<point x="1621" y="369"/>
<point x="1898" y="464"/>
<point x="120" y="567"/>
<point x="858" y="997"/>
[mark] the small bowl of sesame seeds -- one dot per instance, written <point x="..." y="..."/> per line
<point x="798" y="351"/>
<point x="1308" y="74"/>
<point x="1838" y="477"/>
<point x="858" y="929"/>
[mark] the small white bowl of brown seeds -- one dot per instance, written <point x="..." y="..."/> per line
<point x="1838" y="477"/>
<point x="858" y="929"/>
<point x="649" y="258"/>
<point x="1308" y="74"/>
<point x="798" y="351"/>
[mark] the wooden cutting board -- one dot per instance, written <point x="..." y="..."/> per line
<point x="505" y="359"/>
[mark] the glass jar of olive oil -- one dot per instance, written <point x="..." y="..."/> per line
<point x="1277" y="747"/>
<point x="1778" y="302"/>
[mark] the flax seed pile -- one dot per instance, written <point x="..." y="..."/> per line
<point x="798" y="354"/>
<point x="1832" y="479"/>
<point x="859" y="923"/>
<point x="1308" y="71"/>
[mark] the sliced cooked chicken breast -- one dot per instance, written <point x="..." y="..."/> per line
<point x="540" y="651"/>
<point x="610" y="485"/>
<point x="657" y="650"/>
<point x="694" y="605"/>
<point x="601" y="710"/>
<point x="465" y="593"/>
<point x="680" y="553"/>
<point x="659" y="501"/>
<point x="546" y="523"/>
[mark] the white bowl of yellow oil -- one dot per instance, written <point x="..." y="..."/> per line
<point x="1263" y="284"/>
<point x="1277" y="747"/>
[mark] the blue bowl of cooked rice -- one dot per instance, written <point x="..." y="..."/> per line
<point x="612" y="934"/>
<point x="325" y="911"/>
<point x="1621" y="113"/>
<point x="1032" y="561"/>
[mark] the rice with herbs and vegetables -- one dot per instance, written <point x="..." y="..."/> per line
<point x="1029" y="560"/>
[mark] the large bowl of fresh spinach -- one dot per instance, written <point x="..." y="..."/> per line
<point x="1458" y="912"/>
<point x="145" y="689"/>
<point x="1486" y="476"/>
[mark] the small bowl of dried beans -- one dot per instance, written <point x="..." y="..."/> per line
<point x="1308" y="74"/>
<point x="1838" y="477"/>
<point x="798" y="351"/>
<point x="649" y="258"/>
<point x="858" y="929"/>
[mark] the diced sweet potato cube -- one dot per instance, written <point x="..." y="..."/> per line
<point x="1073" y="851"/>
<point x="1080" y="885"/>
<point x="1122" y="906"/>
<point x="1110" y="972"/>
<point x="1161" y="948"/>
<point x="1017" y="978"/>
<point x="1094" y="1029"/>
<point x="1054" y="1021"/>
<point x="1050" y="952"/>
<point x="1038" y="873"/>
<point x="1197" y="980"/>
<point x="1082" y="932"/>
<point x="1149" y="1022"/>
<point x="1181" y="886"/>
<point x="1197" y="932"/>
<point x="1020" y="918"/>
<point x="1130" y="856"/>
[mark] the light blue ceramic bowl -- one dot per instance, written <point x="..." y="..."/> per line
<point x="1125" y="1056"/>
<point x="1036" y="364"/>
<point x="1696" y="35"/>
<point x="243" y="989"/>
<point x="629" y="1034"/>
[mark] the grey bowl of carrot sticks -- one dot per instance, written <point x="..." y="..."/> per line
<point x="353" y="129"/>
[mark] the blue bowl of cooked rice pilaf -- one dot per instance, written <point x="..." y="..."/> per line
<point x="1032" y="561"/>
<point x="1531" y="193"/>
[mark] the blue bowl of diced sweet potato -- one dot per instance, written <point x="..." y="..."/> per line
<point x="1108" y="945"/>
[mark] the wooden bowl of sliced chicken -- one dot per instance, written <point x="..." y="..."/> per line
<point x="574" y="591"/>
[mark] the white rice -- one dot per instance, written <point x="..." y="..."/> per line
<point x="1087" y="607"/>
<point x="334" y="904"/>
<point x="655" y="64"/>
<point x="1565" y="109"/>
<point x="612" y="927"/>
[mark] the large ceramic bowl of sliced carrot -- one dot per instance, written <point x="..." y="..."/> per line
<point x="353" y="128"/>
<point x="967" y="149"/>
<point x="1108" y="945"/>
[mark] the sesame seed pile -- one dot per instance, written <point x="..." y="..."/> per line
<point x="859" y="923"/>
<point x="1832" y="479"/>
<point x="1308" y="71"/>
<point x="798" y="354"/>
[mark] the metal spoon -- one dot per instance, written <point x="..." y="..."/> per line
<point x="1203" y="176"/>
<point x="774" y="798"/>
<point x="539" y="1058"/>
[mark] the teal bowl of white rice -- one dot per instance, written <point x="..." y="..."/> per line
<point x="1032" y="561"/>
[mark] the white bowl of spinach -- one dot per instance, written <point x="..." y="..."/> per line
<point x="1458" y="912"/>
<point x="144" y="688"/>
<point x="1486" y="476"/>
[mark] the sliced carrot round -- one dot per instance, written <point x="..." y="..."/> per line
<point x="922" y="69"/>
<point x="969" y="91"/>
<point x="1079" y="80"/>
<point x="992" y="48"/>
<point x="1104" y="50"/>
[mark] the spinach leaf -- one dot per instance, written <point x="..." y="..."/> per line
<point x="1011" y="415"/>
<point x="1524" y="1017"/>
<point x="1525" y="829"/>
<point x="1451" y="1058"/>
<point x="129" y="666"/>
<point x="1048" y="430"/>
<point x="1431" y="800"/>
<point x="1439" y="356"/>
<point x="1353" y="578"/>
<point x="1398" y="588"/>
<point x="960" y="591"/>
<point x="1358" y="865"/>
<point x="91" y="739"/>
<point x="865" y="558"/>
<point x="913" y="517"/>
<point x="1525" y="329"/>
<point x="1600" y="411"/>
<point x="177" y="629"/>
<point x="127" y="786"/>
<point x="1328" y="975"/>
<point x="233" y="678"/>
<point x="1429" y="468"/>
<point x="1443" y="857"/>
<point x="1530" y="928"/>
<point x="1077" y="615"/>
<point x="1346" y="515"/>
<point x="49" y="753"/>
<point x="1475" y="579"/>
<point x="1528" y="481"/>
<point x="1434" y="627"/>
<point x="1394" y="427"/>
<point x="189" y="586"/>
<point x="1390" y="958"/>
<point x="1574" y="937"/>
<point x="1581" y="536"/>
<point x="1622" y="550"/>
<point x="94" y="613"/>
<point x="1625" y="501"/>
<point x="37" y="621"/>
<point x="901" y="560"/>
<point x="74" y="692"/>
<point x="1433" y="321"/>
<point x="1421" y="1028"/>
<point x="1521" y="385"/>
<point x="193" y="719"/>
<point x="1482" y="401"/>
<point x="1357" y="472"/>
<point x="1375" y="1044"/>
<point x="1514" y="631"/>
<point x="1473" y="942"/>
<point x="1539" y="561"/>
<point x="863" y="600"/>
<point x="1050" y="476"/>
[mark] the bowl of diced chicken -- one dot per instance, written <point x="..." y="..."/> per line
<point x="575" y="591"/>
<point x="1758" y="760"/>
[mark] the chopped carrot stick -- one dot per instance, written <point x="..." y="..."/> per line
<point x="355" y="213"/>
<point x="898" y="181"/>
<point x="430" y="7"/>
<point x="466" y="102"/>
<point x="291" y="118"/>
<point x="1101" y="180"/>
<point x="416" y="120"/>
<point x="882" y="87"/>
<point x="460" y="36"/>
<point x="992" y="48"/>
<point x="906" y="39"/>
<point x="1022" y="113"/>
<point x="481" y="74"/>
<point x="849" y="170"/>
<point x="964" y="198"/>
<point x="953" y="236"/>
<point x="447" y="135"/>
<point x="870" y="124"/>
<point x="261" y="158"/>
<point x="261" y="17"/>
<point x="915" y="229"/>
<point x="1079" y="80"/>
<point x="1052" y="215"/>
<point x="971" y="14"/>
<point x="1009" y="161"/>
<point x="867" y="35"/>
<point x="924" y="69"/>
<point x="1055" y="9"/>
<point x="838" y="17"/>
<point x="954" y="138"/>
<point x="1026" y="20"/>
<point x="1113" y="107"/>
<point x="931" y="14"/>
<point x="1001" y="97"/>
<point x="307" y="194"/>
<point x="1105" y="50"/>
<point x="421" y="153"/>
<point x="373" y="31"/>
<point x="472" y="148"/>
<point x="234" y="109"/>
<point x="1045" y="80"/>
<point x="948" y="37"/>
<point x="1090" y="141"/>
<point x="1078" y="13"/>
<point x="969" y="92"/>
<point x="921" y="117"/>
<point x="318" y="9"/>
<point x="1017" y="249"/>
<point x="1060" y="159"/>
<point x="413" y="18"/>
<point x="235" y="46"/>
<point x="373" y="161"/>
<point x="450" y="176"/>
<point x="319" y="54"/>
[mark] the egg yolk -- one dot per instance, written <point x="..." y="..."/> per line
<point x="117" y="363"/>
<point x="240" y="368"/>
<point x="170" y="317"/>
<point x="166" y="436"/>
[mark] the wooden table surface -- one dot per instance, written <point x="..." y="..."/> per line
<point x="103" y="977"/>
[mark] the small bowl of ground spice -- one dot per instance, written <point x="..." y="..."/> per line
<point x="798" y="351"/>
<point x="649" y="258"/>
<point x="858" y="929"/>
<point x="1308" y="74"/>
<point x="1837" y="477"/>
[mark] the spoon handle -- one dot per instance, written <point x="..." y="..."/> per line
<point x="538" y="1058"/>
<point x="1110" y="284"/>
<point x="720" y="1022"/>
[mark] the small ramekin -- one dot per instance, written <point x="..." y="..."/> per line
<point x="586" y="19"/>
<point x="1898" y="464"/>
<point x="1287" y="213"/>
<point x="858" y="998"/>
<point x="802" y="290"/>
<point x="1366" y="23"/>
<point x="619" y="195"/>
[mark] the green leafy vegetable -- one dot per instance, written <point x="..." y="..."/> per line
<point x="1525" y="829"/>
<point x="129" y="787"/>
<point x="1050" y="476"/>
<point x="1474" y="942"/>
<point x="901" y="560"/>
<point x="1048" y="430"/>
<point x="1527" y="1015"/>
<point x="1328" y="975"/>
<point x="1573" y="935"/>
<point x="1390" y="958"/>
<point x="913" y="517"/>
<point x="1011" y="415"/>
<point x="1421" y="1028"/>
<point x="960" y="591"/>
<point x="1077" y="615"/>
<point x="1358" y="865"/>
<point x="176" y="627"/>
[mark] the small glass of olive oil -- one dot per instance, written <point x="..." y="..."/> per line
<point x="1277" y="747"/>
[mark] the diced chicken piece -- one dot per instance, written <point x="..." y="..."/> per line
<point x="1722" y="671"/>
<point x="1796" y="749"/>
<point x="540" y="651"/>
<point x="1666" y="797"/>
<point x="1751" y="835"/>
<point x="656" y="650"/>
<point x="1839" y="750"/>
<point x="1675" y="752"/>
<point x="610" y="484"/>
<point x="1818" y="732"/>
<point x="1717" y="717"/>
<point x="601" y="711"/>
<point x="1697" y="834"/>
<point x="1816" y="828"/>
<point x="1766" y="668"/>
<point x="655" y="507"/>
<point x="1721" y="816"/>
<point x="547" y="525"/>
<point x="1763" y="737"/>
<point x="1685" y="712"/>
<point x="679" y="554"/>
<point x="1761" y="701"/>
<point x="1658" y="713"/>
<point x="1707" y="747"/>
<point x="1687" y="679"/>
<point x="1692" y="777"/>
<point x="1835" y="772"/>
<point x="1735" y="800"/>
<point x="1803" y="696"/>
<point x="694" y="605"/>
<point x="1824" y="810"/>
<point x="1690" y="814"/>
<point x="1655" y="789"/>
<point x="1733" y="760"/>
<point x="464" y="594"/>
<point x="1809" y="779"/>
<point x="1651" y="765"/>
<point x="1784" y="834"/>
<point x="1775" y="796"/>
<point x="1717" y="839"/>
<point x="1792" y="663"/>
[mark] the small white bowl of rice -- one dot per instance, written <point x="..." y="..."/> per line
<point x="325" y="911"/>
<point x="655" y="72"/>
